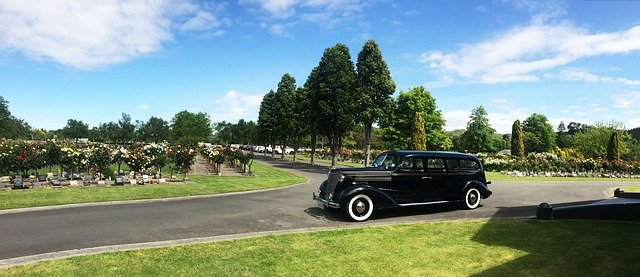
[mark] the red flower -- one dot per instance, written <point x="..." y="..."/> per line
<point x="19" y="157"/>
<point x="24" y="152"/>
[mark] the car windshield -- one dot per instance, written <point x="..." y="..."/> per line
<point x="384" y="161"/>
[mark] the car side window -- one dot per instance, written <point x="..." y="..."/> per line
<point x="435" y="165"/>
<point x="469" y="165"/>
<point x="388" y="163"/>
<point x="411" y="164"/>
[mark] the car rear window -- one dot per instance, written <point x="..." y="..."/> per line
<point x="462" y="164"/>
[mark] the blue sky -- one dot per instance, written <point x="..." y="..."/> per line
<point x="93" y="60"/>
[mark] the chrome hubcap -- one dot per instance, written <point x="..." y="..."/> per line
<point x="360" y="207"/>
<point x="473" y="198"/>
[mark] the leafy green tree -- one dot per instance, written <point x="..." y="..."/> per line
<point x="190" y="128"/>
<point x="126" y="130"/>
<point x="10" y="126"/>
<point x="517" y="140"/>
<point x="593" y="141"/>
<point x="397" y="127"/>
<point x="613" y="151"/>
<point x="336" y="96"/>
<point x="539" y="136"/>
<point x="375" y="86"/>
<point x="285" y="110"/>
<point x="155" y="130"/>
<point x="418" y="137"/>
<point x="479" y="136"/>
<point x="75" y="129"/>
<point x="267" y="120"/>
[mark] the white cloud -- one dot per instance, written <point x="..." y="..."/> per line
<point x="234" y="106"/>
<point x="456" y="119"/>
<point x="92" y="34"/>
<point x="326" y="13"/>
<point x="143" y="106"/>
<point x="519" y="53"/>
<point x="202" y="21"/>
<point x="626" y="101"/>
<point x="575" y="74"/>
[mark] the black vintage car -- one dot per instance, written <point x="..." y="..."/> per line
<point x="404" y="178"/>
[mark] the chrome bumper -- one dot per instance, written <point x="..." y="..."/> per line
<point x="323" y="203"/>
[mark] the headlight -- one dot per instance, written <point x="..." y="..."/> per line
<point x="341" y="178"/>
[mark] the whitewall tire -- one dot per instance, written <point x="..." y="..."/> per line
<point x="360" y="207"/>
<point x="472" y="198"/>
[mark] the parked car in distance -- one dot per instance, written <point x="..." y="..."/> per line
<point x="404" y="178"/>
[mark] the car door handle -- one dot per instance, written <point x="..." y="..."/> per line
<point x="427" y="178"/>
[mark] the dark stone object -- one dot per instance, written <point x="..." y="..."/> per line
<point x="119" y="181"/>
<point x="625" y="206"/>
<point x="17" y="183"/>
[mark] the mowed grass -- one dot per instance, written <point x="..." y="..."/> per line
<point x="487" y="248"/>
<point x="264" y="177"/>
<point x="500" y="176"/>
<point x="631" y="188"/>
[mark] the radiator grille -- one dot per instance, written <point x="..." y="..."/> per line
<point x="334" y="178"/>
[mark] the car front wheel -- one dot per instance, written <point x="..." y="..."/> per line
<point x="472" y="198"/>
<point x="360" y="207"/>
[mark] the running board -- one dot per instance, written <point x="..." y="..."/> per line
<point x="425" y="203"/>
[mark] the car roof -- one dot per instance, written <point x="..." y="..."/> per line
<point x="438" y="154"/>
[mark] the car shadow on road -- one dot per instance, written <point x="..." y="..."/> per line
<point x="398" y="212"/>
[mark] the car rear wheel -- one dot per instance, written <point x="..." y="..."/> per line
<point x="360" y="207"/>
<point x="472" y="198"/>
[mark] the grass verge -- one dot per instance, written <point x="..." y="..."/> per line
<point x="488" y="248"/>
<point x="631" y="188"/>
<point x="264" y="177"/>
<point x="499" y="176"/>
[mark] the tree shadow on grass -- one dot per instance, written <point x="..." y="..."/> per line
<point x="566" y="248"/>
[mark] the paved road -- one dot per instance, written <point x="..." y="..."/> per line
<point x="37" y="232"/>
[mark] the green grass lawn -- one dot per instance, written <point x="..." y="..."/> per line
<point x="305" y="158"/>
<point x="631" y="188"/>
<point x="462" y="248"/>
<point x="499" y="176"/>
<point x="264" y="177"/>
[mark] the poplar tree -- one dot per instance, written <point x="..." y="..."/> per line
<point x="285" y="110"/>
<point x="375" y="87"/>
<point x="335" y="96"/>
<point x="419" y="136"/>
<point x="267" y="120"/>
<point x="517" y="141"/>
<point x="613" y="150"/>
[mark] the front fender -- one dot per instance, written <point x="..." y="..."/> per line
<point x="484" y="190"/>
<point x="382" y="199"/>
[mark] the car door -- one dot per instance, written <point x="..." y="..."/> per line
<point x="435" y="180"/>
<point x="408" y="181"/>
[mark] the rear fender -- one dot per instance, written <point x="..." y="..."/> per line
<point x="382" y="199"/>
<point x="484" y="190"/>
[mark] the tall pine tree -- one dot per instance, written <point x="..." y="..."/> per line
<point x="613" y="150"/>
<point x="517" y="140"/>
<point x="418" y="137"/>
<point x="375" y="87"/>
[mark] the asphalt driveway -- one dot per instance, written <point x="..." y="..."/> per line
<point x="37" y="232"/>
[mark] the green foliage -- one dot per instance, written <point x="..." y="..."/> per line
<point x="479" y="136"/>
<point x="190" y="128"/>
<point x="285" y="109"/>
<point x="11" y="127"/>
<point x="182" y="157"/>
<point x="334" y="93"/>
<point x="242" y="132"/>
<point x="375" y="87"/>
<point x="593" y="141"/>
<point x="267" y="119"/>
<point x="75" y="129"/>
<point x="418" y="137"/>
<point x="517" y="140"/>
<point x="397" y="126"/>
<point x="155" y="130"/>
<point x="539" y="136"/>
<point x="613" y="150"/>
<point x="100" y="158"/>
